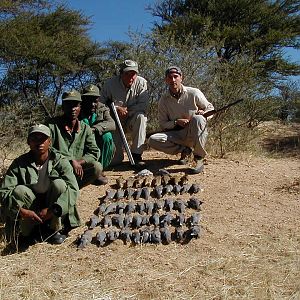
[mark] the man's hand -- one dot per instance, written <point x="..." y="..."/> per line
<point x="46" y="214"/>
<point x="122" y="112"/>
<point x="77" y="168"/>
<point x="30" y="214"/>
<point x="182" y="122"/>
<point x="200" y="112"/>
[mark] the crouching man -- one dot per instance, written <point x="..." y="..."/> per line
<point x="39" y="189"/>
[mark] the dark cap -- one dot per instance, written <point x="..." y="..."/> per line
<point x="41" y="128"/>
<point x="91" y="90"/>
<point x="173" y="69"/>
<point x="73" y="95"/>
<point x="129" y="65"/>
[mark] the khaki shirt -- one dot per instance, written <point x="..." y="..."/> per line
<point x="136" y="99"/>
<point x="190" y="101"/>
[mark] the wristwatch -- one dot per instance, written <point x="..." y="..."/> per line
<point x="175" y="122"/>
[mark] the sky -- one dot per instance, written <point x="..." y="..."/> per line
<point x="112" y="19"/>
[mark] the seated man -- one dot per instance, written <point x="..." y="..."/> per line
<point x="97" y="116"/>
<point x="181" y="113"/>
<point x="129" y="93"/>
<point x="39" y="188"/>
<point x="76" y="141"/>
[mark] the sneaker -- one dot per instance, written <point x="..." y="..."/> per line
<point x="139" y="163"/>
<point x="199" y="165"/>
<point x="101" y="180"/>
<point x="186" y="152"/>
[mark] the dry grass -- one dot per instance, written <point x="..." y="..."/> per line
<point x="249" y="247"/>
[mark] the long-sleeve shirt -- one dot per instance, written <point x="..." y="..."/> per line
<point x="23" y="171"/>
<point x="171" y="109"/>
<point x="81" y="145"/>
<point x="136" y="98"/>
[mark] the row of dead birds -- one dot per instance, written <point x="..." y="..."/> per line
<point x="146" y="234"/>
<point x="147" y="192"/>
<point x="149" y="207"/>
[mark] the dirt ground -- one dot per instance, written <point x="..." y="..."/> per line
<point x="249" y="246"/>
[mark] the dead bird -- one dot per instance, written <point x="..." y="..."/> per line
<point x="179" y="234"/>
<point x="94" y="221"/>
<point x="112" y="235"/>
<point x="136" y="237"/>
<point x="125" y="235"/>
<point x="110" y="209"/>
<point x="136" y="221"/>
<point x="138" y="193"/>
<point x="180" y="205"/>
<point x="145" y="220"/>
<point x="180" y="220"/>
<point x="169" y="204"/>
<point x="147" y="181"/>
<point x="130" y="208"/>
<point x="118" y="220"/>
<point x="146" y="192"/>
<point x="195" y="188"/>
<point x="138" y="182"/>
<point x="194" y="203"/>
<point x="129" y="182"/>
<point x="165" y="179"/>
<point x="129" y="193"/>
<point x="121" y="207"/>
<point x="101" y="238"/>
<point x="165" y="219"/>
<point x="100" y="209"/>
<point x="175" y="179"/>
<point x="128" y="221"/>
<point x="109" y="195"/>
<point x="158" y="205"/>
<point x="85" y="239"/>
<point x="140" y="207"/>
<point x="145" y="235"/>
<point x="168" y="189"/>
<point x="185" y="188"/>
<point x="120" y="194"/>
<point x="194" y="231"/>
<point x="149" y="205"/>
<point x="165" y="235"/>
<point x="195" y="219"/>
<point x="120" y="182"/>
<point x="158" y="191"/>
<point x="177" y="189"/>
<point x="184" y="179"/>
<point x="107" y="221"/>
<point x="156" y="181"/>
<point x="154" y="219"/>
<point x="155" y="236"/>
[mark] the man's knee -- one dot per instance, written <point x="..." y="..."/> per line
<point x="199" y="122"/>
<point x="59" y="186"/>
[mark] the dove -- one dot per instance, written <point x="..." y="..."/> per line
<point x="180" y="219"/>
<point x="156" y="181"/>
<point x="168" y="189"/>
<point x="154" y="219"/>
<point x="138" y="193"/>
<point x="101" y="238"/>
<point x="145" y="220"/>
<point x="165" y="179"/>
<point x="146" y="192"/>
<point x="125" y="235"/>
<point x="130" y="208"/>
<point x="120" y="183"/>
<point x="155" y="236"/>
<point x="169" y="204"/>
<point x="121" y="207"/>
<point x="185" y="188"/>
<point x="177" y="189"/>
<point x="149" y="205"/>
<point x="158" y="205"/>
<point x="158" y="191"/>
<point x="110" y="194"/>
<point x="107" y="222"/>
<point x="129" y="192"/>
<point x="179" y="234"/>
<point x="127" y="221"/>
<point x="184" y="179"/>
<point x="94" y="221"/>
<point x="85" y="239"/>
<point x="147" y="181"/>
<point x="180" y="205"/>
<point x="195" y="219"/>
<point x="166" y="219"/>
<point x="140" y="207"/>
<point x="112" y="235"/>
<point x="100" y="209"/>
<point x="129" y="182"/>
<point x="120" y="194"/>
<point x="194" y="203"/>
<point x="136" y="237"/>
<point x="195" y="188"/>
<point x="145" y="235"/>
<point x="194" y="231"/>
<point x="118" y="220"/>
<point x="136" y="221"/>
<point x="111" y="208"/>
<point x="165" y="235"/>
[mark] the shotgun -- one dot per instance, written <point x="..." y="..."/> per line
<point x="121" y="131"/>
<point x="206" y="115"/>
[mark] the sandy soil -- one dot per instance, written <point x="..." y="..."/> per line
<point x="249" y="246"/>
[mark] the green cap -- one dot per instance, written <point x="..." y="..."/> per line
<point x="173" y="69"/>
<point x="72" y="95"/>
<point x="129" y="65"/>
<point x="91" y="90"/>
<point x="41" y="128"/>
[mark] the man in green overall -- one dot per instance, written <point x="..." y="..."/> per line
<point x="39" y="189"/>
